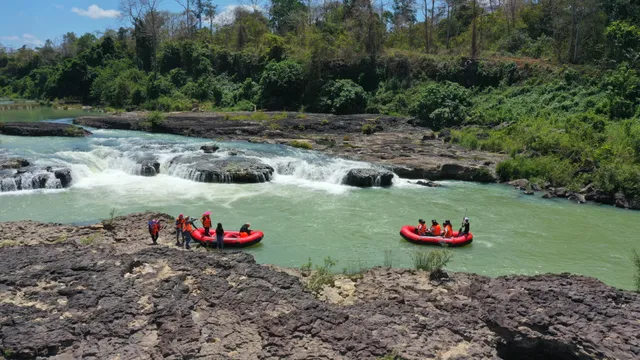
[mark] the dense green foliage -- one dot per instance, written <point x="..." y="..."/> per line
<point x="553" y="83"/>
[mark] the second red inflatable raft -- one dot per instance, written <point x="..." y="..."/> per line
<point x="231" y="238"/>
<point x="409" y="233"/>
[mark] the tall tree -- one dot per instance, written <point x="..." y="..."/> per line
<point x="474" y="45"/>
<point x="144" y="16"/>
<point x="210" y="12"/>
<point x="404" y="12"/>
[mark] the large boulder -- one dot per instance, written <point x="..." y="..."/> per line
<point x="149" y="165"/>
<point x="42" y="129"/>
<point x="13" y="163"/>
<point x="463" y="172"/>
<point x="209" y="149"/>
<point x="368" y="177"/>
<point x="210" y="169"/>
<point x="32" y="178"/>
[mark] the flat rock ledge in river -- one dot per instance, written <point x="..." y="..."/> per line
<point x="42" y="129"/>
<point x="368" y="178"/>
<point x="210" y="169"/>
<point x="125" y="299"/>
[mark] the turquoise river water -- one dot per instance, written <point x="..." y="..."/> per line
<point x="306" y="213"/>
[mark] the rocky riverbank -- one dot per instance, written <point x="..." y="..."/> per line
<point x="41" y="129"/>
<point x="409" y="151"/>
<point x="102" y="292"/>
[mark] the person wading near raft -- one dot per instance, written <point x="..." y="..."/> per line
<point x="464" y="229"/>
<point x="186" y="231"/>
<point x="435" y="229"/>
<point x="220" y="236"/>
<point x="448" y="229"/>
<point x="206" y="222"/>
<point x="154" y="230"/>
<point x="179" y="226"/>
<point x="245" y="231"/>
<point x="422" y="228"/>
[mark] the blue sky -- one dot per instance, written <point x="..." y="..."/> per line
<point x="31" y="22"/>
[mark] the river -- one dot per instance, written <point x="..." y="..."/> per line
<point x="306" y="213"/>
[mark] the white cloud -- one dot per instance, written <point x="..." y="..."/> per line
<point x="26" y="39"/>
<point x="228" y="15"/>
<point x="96" y="12"/>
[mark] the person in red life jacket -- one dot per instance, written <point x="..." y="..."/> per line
<point x="422" y="228"/>
<point x="154" y="230"/>
<point x="435" y="229"/>
<point x="186" y="231"/>
<point x="448" y="229"/>
<point x="206" y="222"/>
<point x="245" y="231"/>
<point x="179" y="226"/>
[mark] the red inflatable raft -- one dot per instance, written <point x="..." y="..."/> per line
<point x="231" y="238"/>
<point x="409" y="233"/>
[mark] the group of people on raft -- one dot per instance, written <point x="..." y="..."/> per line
<point x="437" y="230"/>
<point x="185" y="225"/>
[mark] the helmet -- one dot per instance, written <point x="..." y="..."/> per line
<point x="420" y="221"/>
<point x="181" y="216"/>
<point x="434" y="222"/>
<point x="466" y="219"/>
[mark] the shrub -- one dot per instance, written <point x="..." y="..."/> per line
<point x="281" y="85"/>
<point x="321" y="276"/>
<point x="155" y="118"/>
<point x="558" y="172"/>
<point x="431" y="261"/>
<point x="369" y="129"/>
<point x="440" y="105"/>
<point x="388" y="258"/>
<point x="301" y="144"/>
<point x="343" y="97"/>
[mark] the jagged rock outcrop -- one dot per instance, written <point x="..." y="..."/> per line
<point x="42" y="129"/>
<point x="13" y="163"/>
<point x="211" y="169"/>
<point x="84" y="295"/>
<point x="149" y="165"/>
<point x="368" y="178"/>
<point x="32" y="178"/>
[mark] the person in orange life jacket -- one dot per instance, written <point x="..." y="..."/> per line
<point x="188" y="227"/>
<point x="154" y="230"/>
<point x="448" y="230"/>
<point x="435" y="229"/>
<point x="464" y="229"/>
<point x="422" y="228"/>
<point x="245" y="231"/>
<point x="206" y="222"/>
<point x="179" y="226"/>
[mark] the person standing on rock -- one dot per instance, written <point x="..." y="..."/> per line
<point x="220" y="237"/>
<point x="206" y="222"/>
<point x="186" y="231"/>
<point x="464" y="229"/>
<point x="179" y="226"/>
<point x="154" y="230"/>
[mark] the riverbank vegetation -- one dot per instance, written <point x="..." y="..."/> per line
<point x="552" y="83"/>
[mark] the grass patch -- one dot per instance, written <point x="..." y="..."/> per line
<point x="89" y="240"/>
<point x="274" y="126"/>
<point x="8" y="243"/>
<point x="108" y="224"/>
<point x="73" y="131"/>
<point x="282" y="116"/>
<point x="324" y="122"/>
<point x="636" y="262"/>
<point x="319" y="277"/>
<point x="62" y="238"/>
<point x="355" y="270"/>
<point x="153" y="120"/>
<point x="346" y="138"/>
<point x="301" y="116"/>
<point x="301" y="144"/>
<point x="431" y="261"/>
<point x="259" y="116"/>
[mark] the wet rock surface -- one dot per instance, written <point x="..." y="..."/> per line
<point x="42" y="129"/>
<point x="409" y="151"/>
<point x="13" y="163"/>
<point x="368" y="178"/>
<point x="33" y="178"/>
<point x="149" y="165"/>
<point x="211" y="169"/>
<point x="109" y="298"/>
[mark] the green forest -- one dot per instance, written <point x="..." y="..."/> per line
<point x="554" y="84"/>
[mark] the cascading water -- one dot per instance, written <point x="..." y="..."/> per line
<point x="109" y="153"/>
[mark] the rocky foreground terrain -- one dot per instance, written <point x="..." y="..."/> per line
<point x="102" y="292"/>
